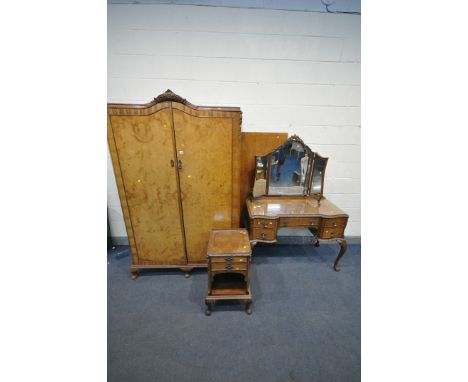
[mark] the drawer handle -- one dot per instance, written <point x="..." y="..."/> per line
<point x="229" y="267"/>
<point x="334" y="224"/>
<point x="263" y="235"/>
<point x="229" y="258"/>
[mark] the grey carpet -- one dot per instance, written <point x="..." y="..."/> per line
<point x="305" y="324"/>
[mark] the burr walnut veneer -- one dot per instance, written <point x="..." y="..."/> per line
<point x="268" y="214"/>
<point x="177" y="168"/>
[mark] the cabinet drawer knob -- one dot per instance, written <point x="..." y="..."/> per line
<point x="263" y="235"/>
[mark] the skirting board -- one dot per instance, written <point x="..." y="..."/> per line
<point x="119" y="240"/>
<point x="291" y="237"/>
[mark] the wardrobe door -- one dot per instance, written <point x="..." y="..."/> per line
<point x="145" y="152"/>
<point x="204" y="149"/>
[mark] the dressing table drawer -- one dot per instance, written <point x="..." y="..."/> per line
<point x="299" y="222"/>
<point x="264" y="223"/>
<point x="331" y="233"/>
<point x="334" y="222"/>
<point x="229" y="267"/>
<point x="264" y="234"/>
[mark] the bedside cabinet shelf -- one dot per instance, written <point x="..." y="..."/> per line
<point x="229" y="284"/>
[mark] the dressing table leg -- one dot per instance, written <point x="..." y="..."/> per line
<point x="134" y="273"/>
<point x="343" y="246"/>
<point x="248" y="308"/>
<point x="317" y="243"/>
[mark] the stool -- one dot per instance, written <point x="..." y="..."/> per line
<point x="229" y="256"/>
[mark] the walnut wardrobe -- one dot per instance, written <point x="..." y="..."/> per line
<point x="177" y="168"/>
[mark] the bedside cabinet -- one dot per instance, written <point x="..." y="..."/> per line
<point x="229" y="255"/>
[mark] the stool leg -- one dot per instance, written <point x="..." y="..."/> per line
<point x="248" y="308"/>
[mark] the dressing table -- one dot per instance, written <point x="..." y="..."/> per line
<point x="288" y="193"/>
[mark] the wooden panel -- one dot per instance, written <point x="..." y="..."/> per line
<point x="216" y="292"/>
<point x="229" y="241"/>
<point x="331" y="233"/>
<point x="144" y="150"/>
<point x="264" y="234"/>
<point x="299" y="222"/>
<point x="337" y="222"/>
<point x="255" y="144"/>
<point x="237" y="202"/>
<point x="229" y="266"/>
<point x="204" y="147"/>
<point x="264" y="223"/>
<point x="120" y="187"/>
<point x="301" y="206"/>
<point x="229" y="259"/>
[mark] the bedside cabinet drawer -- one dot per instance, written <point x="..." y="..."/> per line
<point x="229" y="259"/>
<point x="334" y="222"/>
<point x="229" y="267"/>
<point x="264" y="234"/>
<point x="264" y="223"/>
<point x="331" y="233"/>
<point x="299" y="222"/>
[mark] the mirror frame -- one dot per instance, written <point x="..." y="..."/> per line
<point x="317" y="195"/>
<point x="313" y="156"/>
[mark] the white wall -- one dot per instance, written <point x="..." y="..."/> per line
<point x="289" y="71"/>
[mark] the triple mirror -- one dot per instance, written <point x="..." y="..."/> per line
<point x="290" y="169"/>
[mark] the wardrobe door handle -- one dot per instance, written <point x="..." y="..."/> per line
<point x="172" y="162"/>
<point x="179" y="164"/>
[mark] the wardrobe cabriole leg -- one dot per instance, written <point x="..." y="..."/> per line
<point x="248" y="307"/>
<point x="188" y="272"/>
<point x="209" y="308"/>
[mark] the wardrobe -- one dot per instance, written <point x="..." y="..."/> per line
<point x="177" y="168"/>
